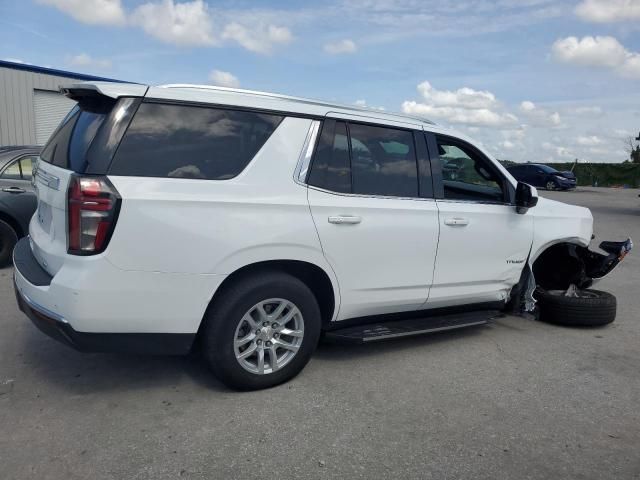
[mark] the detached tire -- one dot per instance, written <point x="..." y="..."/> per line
<point x="8" y="239"/>
<point x="592" y="308"/>
<point x="261" y="330"/>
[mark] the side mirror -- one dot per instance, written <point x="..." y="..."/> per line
<point x="526" y="197"/>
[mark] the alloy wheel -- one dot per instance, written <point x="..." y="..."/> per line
<point x="268" y="336"/>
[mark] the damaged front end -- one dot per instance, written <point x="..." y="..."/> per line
<point x="566" y="264"/>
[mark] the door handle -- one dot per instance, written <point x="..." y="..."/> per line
<point x="457" y="222"/>
<point x="14" y="190"/>
<point x="345" y="219"/>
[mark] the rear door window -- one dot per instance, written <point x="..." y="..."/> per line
<point x="366" y="160"/>
<point x="180" y="141"/>
<point x="331" y="168"/>
<point x="384" y="163"/>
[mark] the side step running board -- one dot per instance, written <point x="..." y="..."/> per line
<point x="373" y="332"/>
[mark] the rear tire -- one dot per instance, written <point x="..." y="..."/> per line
<point x="237" y="315"/>
<point x="8" y="240"/>
<point x="593" y="308"/>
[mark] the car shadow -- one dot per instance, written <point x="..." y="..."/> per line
<point x="81" y="373"/>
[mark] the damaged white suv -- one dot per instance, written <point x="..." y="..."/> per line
<point x="254" y="222"/>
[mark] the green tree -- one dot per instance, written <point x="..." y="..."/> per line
<point x="635" y="154"/>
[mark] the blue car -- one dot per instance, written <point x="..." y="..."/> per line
<point x="543" y="176"/>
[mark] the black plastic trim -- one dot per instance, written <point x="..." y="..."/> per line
<point x="26" y="263"/>
<point x="133" y="343"/>
<point x="425" y="172"/>
<point x="422" y="314"/>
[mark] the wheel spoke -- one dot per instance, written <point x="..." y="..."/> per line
<point x="278" y="311"/>
<point x="249" y="319"/>
<point x="244" y="340"/>
<point x="287" y="318"/>
<point x="247" y="353"/>
<point x="262" y="312"/>
<point x="292" y="333"/>
<point x="273" y="358"/>
<point x="261" y="361"/>
<point x="287" y="346"/>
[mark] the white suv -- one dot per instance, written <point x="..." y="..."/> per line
<point x="254" y="222"/>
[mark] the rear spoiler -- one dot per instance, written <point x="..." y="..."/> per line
<point x="107" y="89"/>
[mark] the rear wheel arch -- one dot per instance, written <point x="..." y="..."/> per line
<point x="315" y="277"/>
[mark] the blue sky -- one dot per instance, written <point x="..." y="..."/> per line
<point x="532" y="80"/>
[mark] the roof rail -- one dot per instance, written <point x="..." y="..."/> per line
<point x="308" y="101"/>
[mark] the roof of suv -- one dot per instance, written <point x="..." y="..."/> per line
<point x="246" y="98"/>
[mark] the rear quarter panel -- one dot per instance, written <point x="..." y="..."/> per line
<point x="216" y="227"/>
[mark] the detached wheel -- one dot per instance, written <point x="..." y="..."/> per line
<point x="8" y="239"/>
<point x="261" y="331"/>
<point x="584" y="308"/>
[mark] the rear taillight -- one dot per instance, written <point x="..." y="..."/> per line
<point x="92" y="207"/>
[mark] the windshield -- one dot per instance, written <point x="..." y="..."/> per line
<point x="548" y="169"/>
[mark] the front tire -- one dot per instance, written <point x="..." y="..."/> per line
<point x="261" y="331"/>
<point x="551" y="185"/>
<point x="8" y="240"/>
<point x="590" y="308"/>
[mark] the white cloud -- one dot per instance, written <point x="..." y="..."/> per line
<point x="527" y="106"/>
<point x="539" y="117"/>
<point x="224" y="79"/>
<point x="259" y="38"/>
<point x="463" y="97"/>
<point x="589" y="141"/>
<point x="586" y="111"/>
<point x="363" y="103"/>
<point x="604" y="52"/>
<point x="93" y="12"/>
<point x="605" y="11"/>
<point x="340" y="47"/>
<point x="184" y="24"/>
<point x="479" y="116"/>
<point x="464" y="105"/>
<point x="85" y="60"/>
<point x="507" y="145"/>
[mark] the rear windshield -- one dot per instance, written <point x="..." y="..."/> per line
<point x="67" y="147"/>
<point x="180" y="141"/>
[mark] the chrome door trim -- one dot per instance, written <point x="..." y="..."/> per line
<point x="302" y="167"/>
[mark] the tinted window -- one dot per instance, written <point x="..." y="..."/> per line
<point x="546" y="169"/>
<point x="67" y="147"/>
<point x="330" y="169"/>
<point x="180" y="141"/>
<point x="467" y="175"/>
<point x="383" y="161"/>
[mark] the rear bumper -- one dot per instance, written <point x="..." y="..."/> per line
<point x="30" y="277"/>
